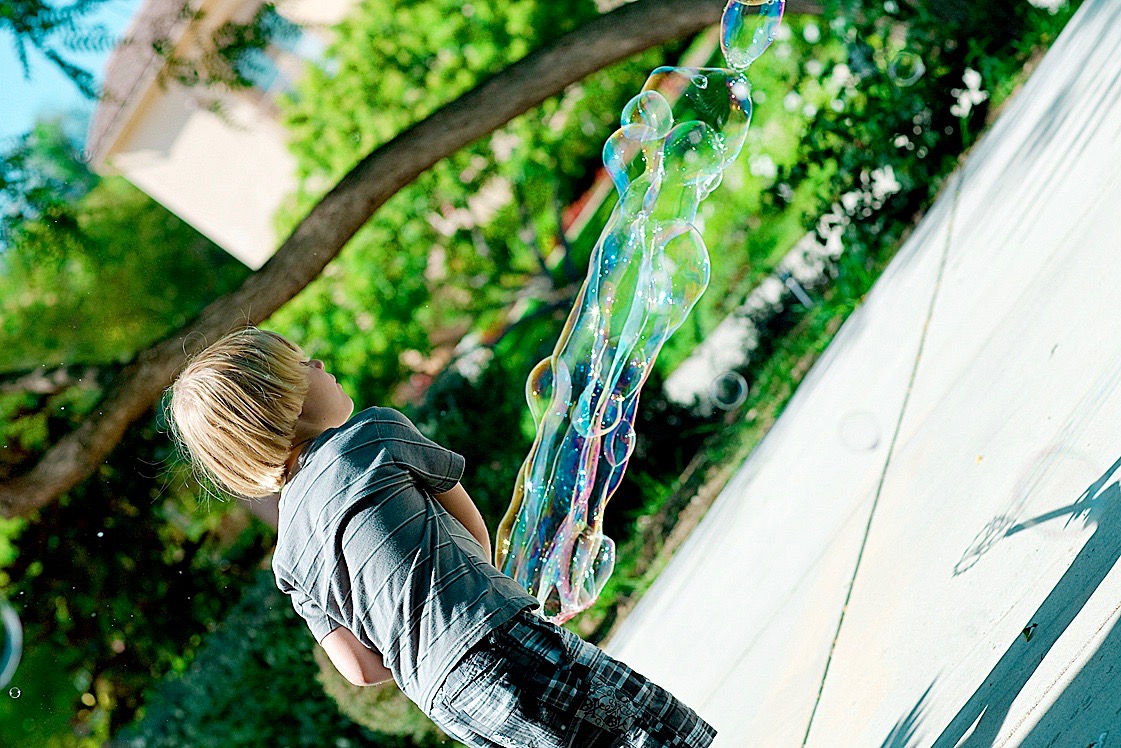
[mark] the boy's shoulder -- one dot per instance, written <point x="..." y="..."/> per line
<point x="365" y="427"/>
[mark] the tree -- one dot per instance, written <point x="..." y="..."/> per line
<point x="335" y="219"/>
<point x="72" y="236"/>
<point x="37" y="22"/>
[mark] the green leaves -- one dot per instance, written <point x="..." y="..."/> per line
<point x="73" y="241"/>
<point x="461" y="242"/>
<point x="39" y="23"/>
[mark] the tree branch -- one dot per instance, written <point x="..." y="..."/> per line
<point x="43" y="382"/>
<point x="610" y="38"/>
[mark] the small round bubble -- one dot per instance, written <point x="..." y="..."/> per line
<point x="729" y="390"/>
<point x="906" y="68"/>
<point x="859" y="431"/>
<point x="651" y="109"/>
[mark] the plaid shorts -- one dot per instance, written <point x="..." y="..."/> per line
<point x="531" y="684"/>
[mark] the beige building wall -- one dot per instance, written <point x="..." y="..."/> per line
<point x="225" y="182"/>
<point x="227" y="178"/>
<point x="315" y="12"/>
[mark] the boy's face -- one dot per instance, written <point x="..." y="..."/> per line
<point x="326" y="405"/>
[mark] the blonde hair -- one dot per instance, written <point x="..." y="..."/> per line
<point x="234" y="408"/>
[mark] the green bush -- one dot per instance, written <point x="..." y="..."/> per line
<point x="256" y="682"/>
<point x="120" y="579"/>
<point x="380" y="708"/>
<point x="916" y="129"/>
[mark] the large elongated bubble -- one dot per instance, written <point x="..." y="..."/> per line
<point x="646" y="272"/>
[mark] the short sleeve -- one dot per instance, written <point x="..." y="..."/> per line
<point x="313" y="614"/>
<point x="438" y="468"/>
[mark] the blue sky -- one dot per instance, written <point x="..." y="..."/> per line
<point x="48" y="91"/>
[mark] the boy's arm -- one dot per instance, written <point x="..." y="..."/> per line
<point x="459" y="505"/>
<point x="356" y="662"/>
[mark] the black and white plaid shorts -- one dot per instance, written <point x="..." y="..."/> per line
<point x="531" y="684"/>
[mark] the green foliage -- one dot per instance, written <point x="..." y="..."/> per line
<point x="254" y="682"/>
<point x="40" y="177"/>
<point x="115" y="609"/>
<point x="913" y="131"/>
<point x="73" y="241"/>
<point x="453" y="249"/>
<point x="119" y="580"/>
<point x="39" y="23"/>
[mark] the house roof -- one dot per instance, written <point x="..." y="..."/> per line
<point x="131" y="70"/>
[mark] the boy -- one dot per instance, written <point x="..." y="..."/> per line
<point x="387" y="559"/>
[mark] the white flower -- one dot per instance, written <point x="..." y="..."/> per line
<point x="884" y="182"/>
<point x="1051" y="6"/>
<point x="969" y="96"/>
<point x="503" y="145"/>
<point x="762" y="165"/>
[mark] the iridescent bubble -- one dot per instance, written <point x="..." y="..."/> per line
<point x="859" y="431"/>
<point x="747" y="28"/>
<point x="729" y="390"/>
<point x="647" y="271"/>
<point x="906" y="68"/>
<point x="12" y="643"/>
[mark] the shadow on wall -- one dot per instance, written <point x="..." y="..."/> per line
<point x="904" y="732"/>
<point x="1089" y="708"/>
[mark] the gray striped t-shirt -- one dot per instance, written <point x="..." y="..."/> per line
<point x="362" y="544"/>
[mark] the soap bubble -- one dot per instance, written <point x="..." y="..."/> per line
<point x="12" y="645"/>
<point x="906" y="68"/>
<point x="729" y="390"/>
<point x="859" y="431"/>
<point x="748" y="28"/>
<point x="646" y="272"/>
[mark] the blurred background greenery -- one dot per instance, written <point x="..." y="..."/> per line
<point x="150" y="615"/>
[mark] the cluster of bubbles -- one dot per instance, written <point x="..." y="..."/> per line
<point x="646" y="272"/>
<point x="11" y="645"/>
